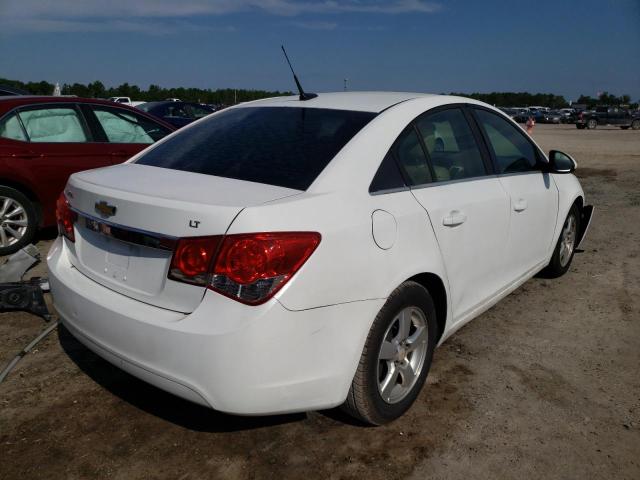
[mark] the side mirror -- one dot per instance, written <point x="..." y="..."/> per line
<point x="560" y="162"/>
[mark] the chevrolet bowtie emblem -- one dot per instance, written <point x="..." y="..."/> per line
<point x="105" y="210"/>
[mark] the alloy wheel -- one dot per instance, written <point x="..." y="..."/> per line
<point x="568" y="240"/>
<point x="13" y="221"/>
<point x="402" y="354"/>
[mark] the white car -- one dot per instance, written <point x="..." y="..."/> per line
<point x="287" y="255"/>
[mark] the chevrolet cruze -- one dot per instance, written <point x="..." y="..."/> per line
<point x="297" y="254"/>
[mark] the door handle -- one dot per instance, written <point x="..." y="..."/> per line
<point x="28" y="154"/>
<point x="520" y="205"/>
<point x="454" y="219"/>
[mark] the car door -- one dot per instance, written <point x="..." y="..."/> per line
<point x="533" y="196"/>
<point x="617" y="116"/>
<point x="123" y="133"/>
<point x="468" y="208"/>
<point x="58" y="143"/>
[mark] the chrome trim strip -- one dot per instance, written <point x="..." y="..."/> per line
<point x="131" y="235"/>
<point x="390" y="190"/>
<point x="449" y="182"/>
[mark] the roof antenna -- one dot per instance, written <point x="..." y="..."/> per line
<point x="303" y="95"/>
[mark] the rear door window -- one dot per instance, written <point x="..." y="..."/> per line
<point x="177" y="110"/>
<point x="411" y="157"/>
<point x="53" y="124"/>
<point x="283" y="146"/>
<point x="451" y="145"/>
<point x="388" y="176"/>
<point x="196" y="111"/>
<point x="10" y="128"/>
<point x="122" y="126"/>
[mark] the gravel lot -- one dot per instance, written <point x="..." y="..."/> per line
<point x="544" y="385"/>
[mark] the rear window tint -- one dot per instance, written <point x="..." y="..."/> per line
<point x="283" y="146"/>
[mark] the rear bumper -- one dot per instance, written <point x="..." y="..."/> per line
<point x="232" y="357"/>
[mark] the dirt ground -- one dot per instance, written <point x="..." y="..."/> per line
<point x="544" y="385"/>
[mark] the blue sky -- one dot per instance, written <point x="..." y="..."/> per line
<point x="565" y="47"/>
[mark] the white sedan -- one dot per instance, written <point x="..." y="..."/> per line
<point x="289" y="255"/>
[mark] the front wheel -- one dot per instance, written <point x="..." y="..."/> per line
<point x="591" y="124"/>
<point x="18" y="220"/>
<point x="565" y="248"/>
<point x="635" y="125"/>
<point x="396" y="357"/>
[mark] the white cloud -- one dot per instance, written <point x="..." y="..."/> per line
<point x="315" y="25"/>
<point x="163" y="16"/>
<point x="148" y="27"/>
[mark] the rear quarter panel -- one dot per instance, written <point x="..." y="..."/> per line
<point x="348" y="265"/>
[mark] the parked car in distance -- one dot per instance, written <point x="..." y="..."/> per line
<point x="175" y="112"/>
<point x="569" y="115"/>
<point x="551" y="117"/>
<point x="510" y="112"/>
<point x="124" y="101"/>
<point x="537" y="108"/>
<point x="522" y="115"/>
<point x="296" y="254"/>
<point x="43" y="140"/>
<point x="605" y="115"/>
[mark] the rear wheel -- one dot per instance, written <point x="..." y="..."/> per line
<point x="396" y="357"/>
<point x="565" y="248"/>
<point x="18" y="220"/>
<point x="592" y="123"/>
<point x="625" y="127"/>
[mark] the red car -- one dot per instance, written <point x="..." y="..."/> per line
<point x="43" y="140"/>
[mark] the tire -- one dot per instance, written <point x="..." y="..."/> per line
<point x="592" y="123"/>
<point x="580" y="126"/>
<point x="561" y="258"/>
<point x="626" y="127"/>
<point x="377" y="395"/>
<point x="635" y="125"/>
<point x="18" y="220"/>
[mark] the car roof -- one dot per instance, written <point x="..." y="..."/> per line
<point x="17" y="100"/>
<point x="358" y="101"/>
<point x="171" y="102"/>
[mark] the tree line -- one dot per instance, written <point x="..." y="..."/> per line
<point x="229" y="96"/>
<point x="525" y="99"/>
<point x="221" y="96"/>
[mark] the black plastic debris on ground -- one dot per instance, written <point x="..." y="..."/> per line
<point x="23" y="295"/>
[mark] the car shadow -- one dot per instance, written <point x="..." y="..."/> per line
<point x="47" y="233"/>
<point x="157" y="402"/>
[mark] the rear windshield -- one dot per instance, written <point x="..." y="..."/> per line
<point x="283" y="146"/>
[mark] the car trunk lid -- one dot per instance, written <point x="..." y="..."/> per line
<point x="130" y="216"/>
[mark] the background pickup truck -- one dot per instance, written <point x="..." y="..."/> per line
<point x="616" y="116"/>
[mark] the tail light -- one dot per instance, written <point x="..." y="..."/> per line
<point x="249" y="268"/>
<point x="65" y="217"/>
<point x="192" y="259"/>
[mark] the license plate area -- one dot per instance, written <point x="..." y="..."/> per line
<point x="121" y="264"/>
